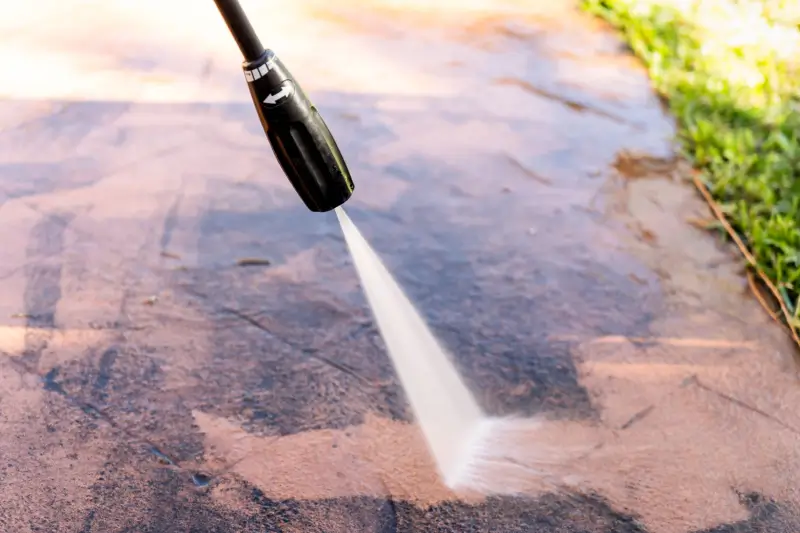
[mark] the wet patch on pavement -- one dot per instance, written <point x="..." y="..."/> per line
<point x="43" y="285"/>
<point x="170" y="506"/>
<point x="438" y="265"/>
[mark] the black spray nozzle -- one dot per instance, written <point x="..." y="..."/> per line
<point x="302" y="142"/>
<point x="299" y="137"/>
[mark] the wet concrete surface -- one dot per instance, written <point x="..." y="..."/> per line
<point x="514" y="171"/>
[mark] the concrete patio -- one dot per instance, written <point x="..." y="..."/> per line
<point x="515" y="172"/>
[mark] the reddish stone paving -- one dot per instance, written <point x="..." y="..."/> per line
<point x="485" y="143"/>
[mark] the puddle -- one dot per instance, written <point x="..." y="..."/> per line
<point x="200" y="479"/>
<point x="585" y="304"/>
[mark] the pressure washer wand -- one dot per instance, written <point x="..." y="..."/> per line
<point x="301" y="141"/>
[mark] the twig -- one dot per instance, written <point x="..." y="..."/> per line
<point x="253" y="261"/>
<point x="745" y="405"/>
<point x="751" y="281"/>
<point x="749" y="257"/>
<point x="312" y="353"/>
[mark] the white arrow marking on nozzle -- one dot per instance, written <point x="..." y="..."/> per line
<point x="273" y="99"/>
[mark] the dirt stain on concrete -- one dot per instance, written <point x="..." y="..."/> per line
<point x="613" y="340"/>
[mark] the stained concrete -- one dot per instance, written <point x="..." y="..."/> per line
<point x="515" y="172"/>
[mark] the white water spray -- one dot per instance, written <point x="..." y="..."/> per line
<point x="471" y="451"/>
<point x="445" y="409"/>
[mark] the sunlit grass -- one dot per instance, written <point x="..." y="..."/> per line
<point x="729" y="71"/>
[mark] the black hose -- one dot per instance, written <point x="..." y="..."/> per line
<point x="240" y="28"/>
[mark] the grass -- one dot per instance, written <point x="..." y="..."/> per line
<point x="729" y="72"/>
